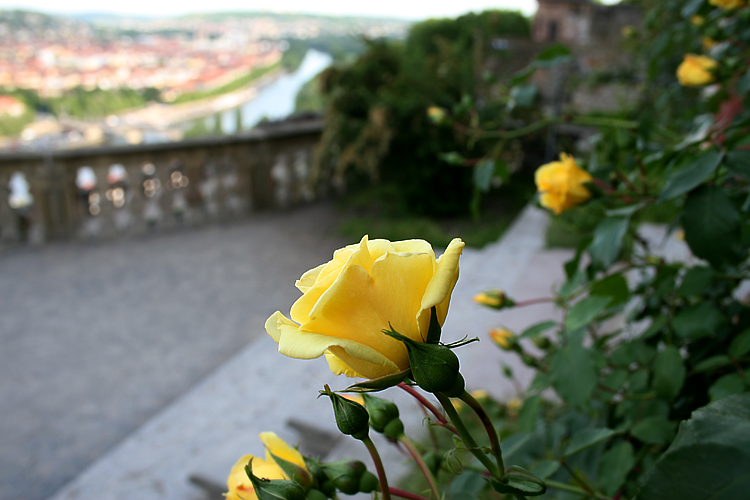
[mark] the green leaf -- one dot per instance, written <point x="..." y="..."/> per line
<point x="615" y="465"/>
<point x="687" y="178"/>
<point x="519" y="481"/>
<point x="483" y="173"/>
<point x="585" y="438"/>
<point x="615" y="287"/>
<point x="512" y="444"/>
<point x="709" y="458"/>
<point x="545" y="469"/>
<point x="608" y="235"/>
<point x="467" y="486"/>
<point x="743" y="86"/>
<point x="727" y="386"/>
<point x="696" y="280"/>
<point x="738" y="161"/>
<point x="669" y="373"/>
<point x="538" y="328"/>
<point x="452" y="158"/>
<point x="704" y="471"/>
<point x="712" y="363"/>
<point x="655" y="327"/>
<point x="654" y="430"/>
<point x="527" y="415"/>
<point x="573" y="375"/>
<point x="553" y="56"/>
<point x="740" y="344"/>
<point x="584" y="312"/>
<point x="572" y="284"/>
<point x="522" y="96"/>
<point x="695" y="322"/>
<point x="712" y="225"/>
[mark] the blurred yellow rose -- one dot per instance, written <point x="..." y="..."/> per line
<point x="367" y="288"/>
<point x="695" y="70"/>
<point x="501" y="337"/>
<point x="727" y="4"/>
<point x="239" y="485"/>
<point x="697" y="21"/>
<point x="561" y="184"/>
<point x="492" y="298"/>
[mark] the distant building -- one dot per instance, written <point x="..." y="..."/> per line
<point x="11" y="106"/>
<point x="582" y="22"/>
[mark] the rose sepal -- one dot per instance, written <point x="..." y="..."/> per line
<point x="274" y="489"/>
<point x="434" y="367"/>
<point x="380" y="383"/>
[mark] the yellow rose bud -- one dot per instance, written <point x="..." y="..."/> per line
<point x="238" y="482"/>
<point x="501" y="337"/>
<point x="480" y="394"/>
<point x="707" y="42"/>
<point x="727" y="4"/>
<point x="696" y="70"/>
<point x="487" y="299"/>
<point x="561" y="184"/>
<point x="697" y="21"/>
<point x="436" y="114"/>
<point x="514" y="405"/>
<point x="365" y="289"/>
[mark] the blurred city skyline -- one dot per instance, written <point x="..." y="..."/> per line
<point x="384" y="8"/>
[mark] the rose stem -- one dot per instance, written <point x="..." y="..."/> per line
<point x="429" y="406"/>
<point x="406" y="494"/>
<point x="463" y="432"/>
<point x="422" y="465"/>
<point x="384" y="490"/>
<point x="491" y="432"/>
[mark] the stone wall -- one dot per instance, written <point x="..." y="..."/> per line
<point x="131" y="190"/>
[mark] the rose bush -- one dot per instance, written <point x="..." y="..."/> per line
<point x="696" y="70"/>
<point x="367" y="288"/>
<point x="238" y="483"/>
<point x="561" y="184"/>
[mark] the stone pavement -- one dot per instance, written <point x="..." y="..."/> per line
<point x="96" y="339"/>
<point x="209" y="427"/>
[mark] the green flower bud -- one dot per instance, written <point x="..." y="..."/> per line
<point x="383" y="415"/>
<point x="274" y="489"/>
<point x="541" y="342"/>
<point x="345" y="475"/>
<point x="368" y="483"/>
<point x="434" y="367"/>
<point x="351" y="418"/>
<point x="316" y="495"/>
<point x="394" y="429"/>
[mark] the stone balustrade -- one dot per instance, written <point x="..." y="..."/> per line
<point x="130" y="190"/>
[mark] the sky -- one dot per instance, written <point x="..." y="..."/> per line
<point x="407" y="9"/>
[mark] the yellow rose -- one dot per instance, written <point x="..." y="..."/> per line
<point x="696" y="70"/>
<point x="365" y="289"/>
<point x="239" y="485"/>
<point x="501" y="337"/>
<point x="697" y="21"/>
<point x="727" y="4"/>
<point x="561" y="184"/>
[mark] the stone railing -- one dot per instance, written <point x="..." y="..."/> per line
<point x="129" y="190"/>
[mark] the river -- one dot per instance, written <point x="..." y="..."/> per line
<point x="274" y="101"/>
